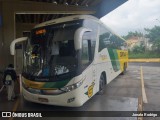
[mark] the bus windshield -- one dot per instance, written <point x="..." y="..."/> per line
<point x="50" y="51"/>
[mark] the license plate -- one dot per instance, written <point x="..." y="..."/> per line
<point x="43" y="99"/>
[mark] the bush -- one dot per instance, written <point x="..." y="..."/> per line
<point x="133" y="55"/>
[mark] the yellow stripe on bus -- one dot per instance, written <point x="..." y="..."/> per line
<point x="33" y="84"/>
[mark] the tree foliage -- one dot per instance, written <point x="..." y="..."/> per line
<point x="133" y="34"/>
<point x="139" y="49"/>
<point x="154" y="35"/>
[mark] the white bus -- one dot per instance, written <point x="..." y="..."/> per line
<point x="68" y="60"/>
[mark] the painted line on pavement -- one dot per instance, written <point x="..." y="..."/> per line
<point x="144" y="97"/>
<point x="14" y="108"/>
<point x="145" y="60"/>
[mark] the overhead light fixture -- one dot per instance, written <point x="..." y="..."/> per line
<point x="76" y="4"/>
<point x="55" y="2"/>
<point x="65" y="3"/>
<point x="86" y="5"/>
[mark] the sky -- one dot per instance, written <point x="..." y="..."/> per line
<point x="134" y="15"/>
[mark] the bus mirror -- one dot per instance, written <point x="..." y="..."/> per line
<point x="13" y="43"/>
<point x="78" y="37"/>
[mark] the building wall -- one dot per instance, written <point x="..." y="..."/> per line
<point x="21" y="27"/>
<point x="137" y="41"/>
<point x="7" y="34"/>
<point x="2" y="60"/>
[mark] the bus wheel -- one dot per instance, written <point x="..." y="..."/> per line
<point x="101" y="84"/>
<point x="124" y="69"/>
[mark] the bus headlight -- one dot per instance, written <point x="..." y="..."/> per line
<point x="72" y="87"/>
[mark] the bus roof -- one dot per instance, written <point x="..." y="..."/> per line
<point x="65" y="19"/>
<point x="74" y="17"/>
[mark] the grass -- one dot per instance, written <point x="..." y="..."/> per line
<point x="143" y="55"/>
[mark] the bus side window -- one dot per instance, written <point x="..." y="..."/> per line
<point x="115" y="42"/>
<point x="104" y="38"/>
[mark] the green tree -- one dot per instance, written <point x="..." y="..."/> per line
<point x="133" y="34"/>
<point x="139" y="49"/>
<point x="154" y="35"/>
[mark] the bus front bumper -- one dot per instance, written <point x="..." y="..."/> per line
<point x="73" y="98"/>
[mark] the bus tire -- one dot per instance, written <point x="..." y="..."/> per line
<point x="101" y="84"/>
<point x="124" y="69"/>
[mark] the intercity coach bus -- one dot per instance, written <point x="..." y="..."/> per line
<point x="68" y="60"/>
